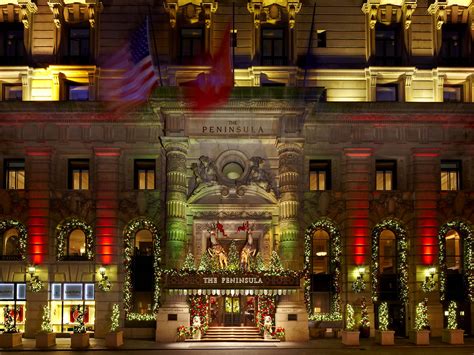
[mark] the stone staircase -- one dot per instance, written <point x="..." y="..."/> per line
<point x="234" y="334"/>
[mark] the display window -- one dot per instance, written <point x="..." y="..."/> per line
<point x="13" y="296"/>
<point x="67" y="301"/>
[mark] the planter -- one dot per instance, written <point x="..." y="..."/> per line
<point x="10" y="340"/>
<point x="364" y="332"/>
<point x="79" y="340"/>
<point x="453" y="336"/>
<point x="419" y="337"/>
<point x="45" y="340"/>
<point x="197" y="335"/>
<point x="114" y="339"/>
<point x="385" y="337"/>
<point x="350" y="337"/>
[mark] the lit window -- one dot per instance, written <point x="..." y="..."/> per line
<point x="145" y="174"/>
<point x="320" y="252"/>
<point x="143" y="243"/>
<point x="453" y="251"/>
<point x="79" y="174"/>
<point x="15" y="174"/>
<point x="76" y="245"/>
<point x="319" y="175"/>
<point x="387" y="93"/>
<point x="273" y="46"/>
<point x="9" y="248"/>
<point x="77" y="92"/>
<point x="385" y="175"/>
<point x="192" y="45"/>
<point x="450" y="175"/>
<point x="452" y="93"/>
<point x="387" y="252"/>
<point x="12" y="92"/>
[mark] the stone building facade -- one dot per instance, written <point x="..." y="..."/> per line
<point x="367" y="200"/>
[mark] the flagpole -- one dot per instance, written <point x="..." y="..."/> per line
<point x="155" y="50"/>
<point x="234" y="40"/>
<point x="310" y="42"/>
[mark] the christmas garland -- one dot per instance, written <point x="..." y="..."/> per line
<point x="199" y="306"/>
<point x="129" y="235"/>
<point x="62" y="233"/>
<point x="335" y="253"/>
<point x="266" y="307"/>
<point x="465" y="230"/>
<point x="397" y="228"/>
<point x="7" y="224"/>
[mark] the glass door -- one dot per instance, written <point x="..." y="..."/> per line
<point x="232" y="311"/>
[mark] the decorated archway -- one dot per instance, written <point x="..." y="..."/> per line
<point x="466" y="232"/>
<point x="8" y="224"/>
<point x="335" y="253"/>
<point x="399" y="230"/>
<point x="64" y="229"/>
<point x="129" y="233"/>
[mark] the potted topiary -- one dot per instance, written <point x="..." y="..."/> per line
<point x="383" y="336"/>
<point x="182" y="333"/>
<point x="421" y="334"/>
<point x="350" y="336"/>
<point x="364" y="325"/>
<point x="10" y="337"/>
<point x="80" y="337"/>
<point x="453" y="335"/>
<point x="46" y="338"/>
<point x="114" y="338"/>
<point x="280" y="333"/>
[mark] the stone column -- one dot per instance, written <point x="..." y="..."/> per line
<point x="38" y="170"/>
<point x="108" y="236"/>
<point x="176" y="197"/>
<point x="290" y="159"/>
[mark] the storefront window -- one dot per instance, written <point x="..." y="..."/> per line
<point x="67" y="301"/>
<point x="13" y="295"/>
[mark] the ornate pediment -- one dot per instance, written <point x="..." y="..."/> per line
<point x="192" y="10"/>
<point x="270" y="11"/>
<point x="17" y="10"/>
<point x="389" y="11"/>
<point x="452" y="11"/>
<point x="75" y="11"/>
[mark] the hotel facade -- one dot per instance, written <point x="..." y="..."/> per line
<point x="340" y="170"/>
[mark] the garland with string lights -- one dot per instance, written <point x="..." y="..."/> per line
<point x="452" y="319"/>
<point x="8" y="323"/>
<point x="383" y="316"/>
<point x="199" y="306"/>
<point x="364" y="314"/>
<point x="335" y="253"/>
<point x="62" y="233"/>
<point x="397" y="228"/>
<point x="114" y="318"/>
<point x="421" y="315"/>
<point x="7" y="224"/>
<point x="466" y="232"/>
<point x="129" y="234"/>
<point x="266" y="307"/>
<point x="350" y="322"/>
<point x="46" y="326"/>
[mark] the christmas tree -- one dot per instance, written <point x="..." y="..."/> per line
<point x="8" y="321"/>
<point x="257" y="263"/>
<point x="276" y="267"/>
<point x="205" y="263"/>
<point x="350" y="322"/>
<point x="452" y="321"/>
<point x="114" y="318"/>
<point x="421" y="315"/>
<point x="383" y="316"/>
<point x="46" y="321"/>
<point x="189" y="263"/>
<point x="80" y="327"/>
<point x="234" y="260"/>
<point x="364" y="314"/>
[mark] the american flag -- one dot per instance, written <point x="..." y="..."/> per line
<point x="129" y="76"/>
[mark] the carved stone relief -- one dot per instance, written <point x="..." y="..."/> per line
<point x="65" y="204"/>
<point x="13" y="203"/>
<point x="456" y="205"/>
<point x="141" y="203"/>
<point x="395" y="204"/>
<point x="323" y="204"/>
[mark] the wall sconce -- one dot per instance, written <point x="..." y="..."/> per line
<point x="104" y="283"/>
<point x="429" y="283"/>
<point x="359" y="284"/>
<point x="35" y="283"/>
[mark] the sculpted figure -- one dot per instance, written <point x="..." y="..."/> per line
<point x="204" y="173"/>
<point x="248" y="249"/>
<point x="217" y="250"/>
<point x="267" y="327"/>
<point x="258" y="175"/>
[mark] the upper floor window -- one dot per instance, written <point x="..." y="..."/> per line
<point x="273" y="46"/>
<point x="12" y="47"/>
<point x="9" y="244"/>
<point x="76" y="91"/>
<point x="454" y="46"/>
<point x="320" y="252"/>
<point x="12" y="92"/>
<point x="387" y="93"/>
<point x="321" y="36"/>
<point x="452" y="93"/>
<point x="78" y="40"/>
<point x="450" y="175"/>
<point x="387" y="44"/>
<point x="453" y="252"/>
<point x="143" y="243"/>
<point x="191" y="45"/>
<point x="76" y="245"/>
<point x="319" y="175"/>
<point x="385" y="175"/>
<point x="387" y="252"/>
<point x="15" y="174"/>
<point x="78" y="174"/>
<point x="144" y="174"/>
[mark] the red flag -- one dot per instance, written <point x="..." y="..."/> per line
<point x="212" y="90"/>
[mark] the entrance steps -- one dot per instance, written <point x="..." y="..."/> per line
<point x="233" y="334"/>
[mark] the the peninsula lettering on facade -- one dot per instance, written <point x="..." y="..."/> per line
<point x="232" y="127"/>
<point x="234" y="280"/>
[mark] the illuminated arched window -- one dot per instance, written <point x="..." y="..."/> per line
<point x="387" y="252"/>
<point x="10" y="243"/>
<point x="320" y="252"/>
<point x="76" y="245"/>
<point x="143" y="243"/>
<point x="453" y="252"/>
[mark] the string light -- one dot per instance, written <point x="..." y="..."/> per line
<point x="7" y="224"/>
<point x="65" y="228"/>
<point x="383" y="316"/>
